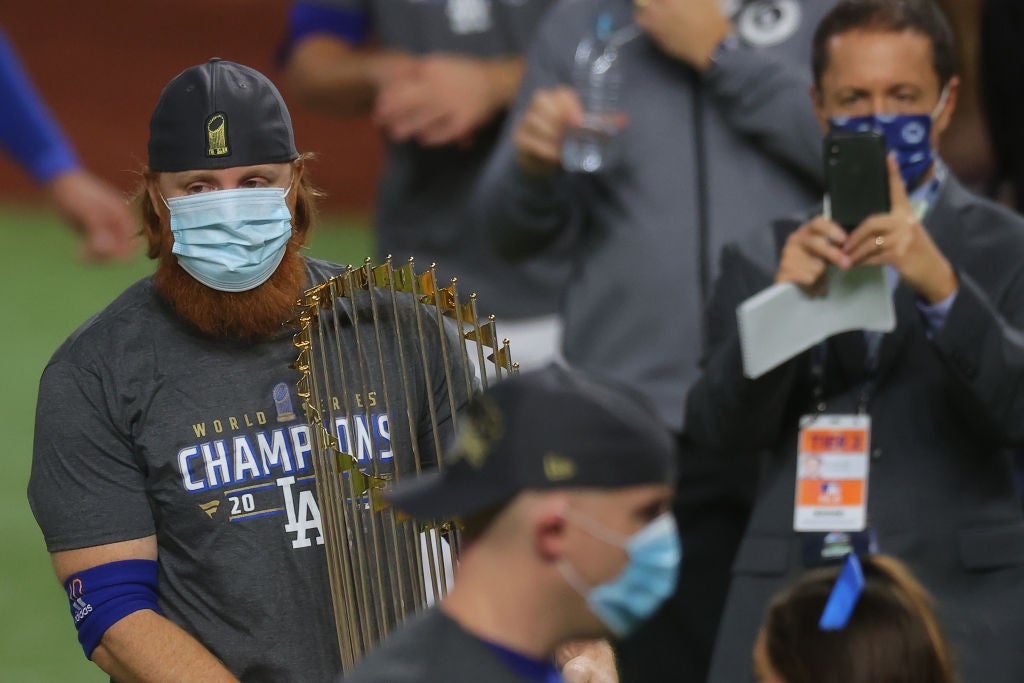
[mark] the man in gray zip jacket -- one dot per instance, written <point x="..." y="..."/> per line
<point x="718" y="135"/>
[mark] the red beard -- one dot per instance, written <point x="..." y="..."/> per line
<point x="241" y="316"/>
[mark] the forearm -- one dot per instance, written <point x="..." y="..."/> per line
<point x="145" y="646"/>
<point x="524" y="212"/>
<point x="504" y="74"/>
<point x="27" y="131"/>
<point x="329" y="76"/>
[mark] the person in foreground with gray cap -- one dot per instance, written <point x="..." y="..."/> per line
<point x="172" y="470"/>
<point x="562" y="485"/>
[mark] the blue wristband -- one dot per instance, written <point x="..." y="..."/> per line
<point x="103" y="595"/>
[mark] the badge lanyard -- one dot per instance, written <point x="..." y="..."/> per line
<point x="833" y="455"/>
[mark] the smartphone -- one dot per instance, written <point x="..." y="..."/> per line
<point x="856" y="176"/>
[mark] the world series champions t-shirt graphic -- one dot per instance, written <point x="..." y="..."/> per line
<point x="256" y="464"/>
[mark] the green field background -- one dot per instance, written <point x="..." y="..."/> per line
<point x="46" y="294"/>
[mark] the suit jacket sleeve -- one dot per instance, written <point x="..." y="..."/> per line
<point x="983" y="346"/>
<point x="725" y="411"/>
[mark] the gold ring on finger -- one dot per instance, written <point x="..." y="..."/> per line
<point x="879" y="242"/>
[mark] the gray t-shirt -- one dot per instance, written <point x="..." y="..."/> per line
<point x="435" y="648"/>
<point x="421" y="208"/>
<point x="145" y="426"/>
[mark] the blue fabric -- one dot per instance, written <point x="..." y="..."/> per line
<point x="908" y="136"/>
<point x="103" y="595"/>
<point x="844" y="596"/>
<point x="935" y="314"/>
<point x="648" y="579"/>
<point x="28" y="132"/>
<point x="306" y="18"/>
<point x="538" y="670"/>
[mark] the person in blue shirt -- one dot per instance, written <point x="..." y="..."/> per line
<point x="31" y="136"/>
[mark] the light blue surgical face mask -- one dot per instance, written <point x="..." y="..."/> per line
<point x="231" y="240"/>
<point x="648" y="579"/>
<point x="908" y="135"/>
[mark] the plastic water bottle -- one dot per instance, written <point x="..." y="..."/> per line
<point x="597" y="78"/>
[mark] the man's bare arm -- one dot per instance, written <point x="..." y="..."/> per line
<point x="328" y="75"/>
<point x="143" y="646"/>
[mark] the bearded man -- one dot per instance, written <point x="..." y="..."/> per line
<point x="172" y="470"/>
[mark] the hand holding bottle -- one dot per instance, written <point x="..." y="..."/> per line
<point x="541" y="131"/>
<point x="597" y="78"/>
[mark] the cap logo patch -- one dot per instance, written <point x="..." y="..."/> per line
<point x="557" y="467"/>
<point x="472" y="446"/>
<point x="217" y="135"/>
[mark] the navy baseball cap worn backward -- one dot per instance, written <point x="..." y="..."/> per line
<point x="218" y="115"/>
<point x="552" y="428"/>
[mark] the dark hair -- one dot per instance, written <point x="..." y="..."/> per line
<point x="895" y="16"/>
<point x="305" y="209"/>
<point x="892" y="634"/>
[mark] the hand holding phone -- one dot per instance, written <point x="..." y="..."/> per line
<point x="856" y="176"/>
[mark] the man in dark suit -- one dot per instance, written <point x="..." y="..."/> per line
<point x="940" y="398"/>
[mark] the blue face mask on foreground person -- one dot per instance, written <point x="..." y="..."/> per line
<point x="649" y="578"/>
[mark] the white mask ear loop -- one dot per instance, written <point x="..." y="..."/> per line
<point x="291" y="181"/>
<point x="164" y="200"/>
<point x="572" y="577"/>
<point x="595" y="529"/>
<point x="942" y="102"/>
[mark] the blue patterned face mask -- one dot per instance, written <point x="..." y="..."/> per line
<point x="231" y="240"/>
<point x="909" y="136"/>
<point x="648" y="580"/>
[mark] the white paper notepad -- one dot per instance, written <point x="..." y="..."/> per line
<point x="783" y="320"/>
